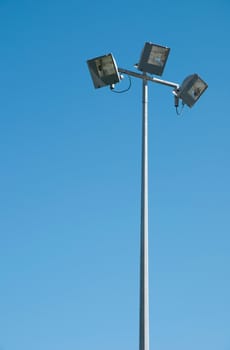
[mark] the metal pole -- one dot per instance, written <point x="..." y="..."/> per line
<point x="144" y="274"/>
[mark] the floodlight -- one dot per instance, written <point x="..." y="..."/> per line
<point x="103" y="71"/>
<point x="191" y="89"/>
<point x="153" y="59"/>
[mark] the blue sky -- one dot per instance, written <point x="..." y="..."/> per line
<point x="70" y="178"/>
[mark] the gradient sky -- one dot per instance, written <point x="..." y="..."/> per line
<point x="70" y="178"/>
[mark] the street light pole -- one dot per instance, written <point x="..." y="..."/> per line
<point x="105" y="72"/>
<point x="144" y="274"/>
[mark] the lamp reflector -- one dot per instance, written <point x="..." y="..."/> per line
<point x="103" y="71"/>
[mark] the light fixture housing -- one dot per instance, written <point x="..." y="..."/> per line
<point x="191" y="89"/>
<point x="103" y="71"/>
<point x="153" y="58"/>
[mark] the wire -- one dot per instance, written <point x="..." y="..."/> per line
<point x="122" y="91"/>
<point x="181" y="110"/>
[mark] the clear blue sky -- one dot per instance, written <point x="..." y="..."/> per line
<point x="70" y="178"/>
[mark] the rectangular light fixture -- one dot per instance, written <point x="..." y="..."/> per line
<point x="103" y="71"/>
<point x="191" y="89"/>
<point x="153" y="59"/>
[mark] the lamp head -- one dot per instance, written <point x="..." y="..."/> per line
<point x="153" y="58"/>
<point x="191" y="89"/>
<point x="103" y="71"/>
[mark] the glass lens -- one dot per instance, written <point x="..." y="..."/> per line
<point x="196" y="90"/>
<point x="105" y="66"/>
<point x="157" y="56"/>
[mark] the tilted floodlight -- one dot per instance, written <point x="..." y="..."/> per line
<point x="103" y="71"/>
<point x="191" y="89"/>
<point x="153" y="59"/>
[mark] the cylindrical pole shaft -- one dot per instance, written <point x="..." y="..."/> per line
<point x="144" y="274"/>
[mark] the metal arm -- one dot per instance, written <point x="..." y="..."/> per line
<point x="147" y="77"/>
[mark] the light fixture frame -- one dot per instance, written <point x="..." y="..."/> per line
<point x="104" y="71"/>
<point x="153" y="58"/>
<point x="186" y="91"/>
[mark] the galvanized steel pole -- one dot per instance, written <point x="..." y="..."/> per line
<point x="144" y="255"/>
<point x="144" y="273"/>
